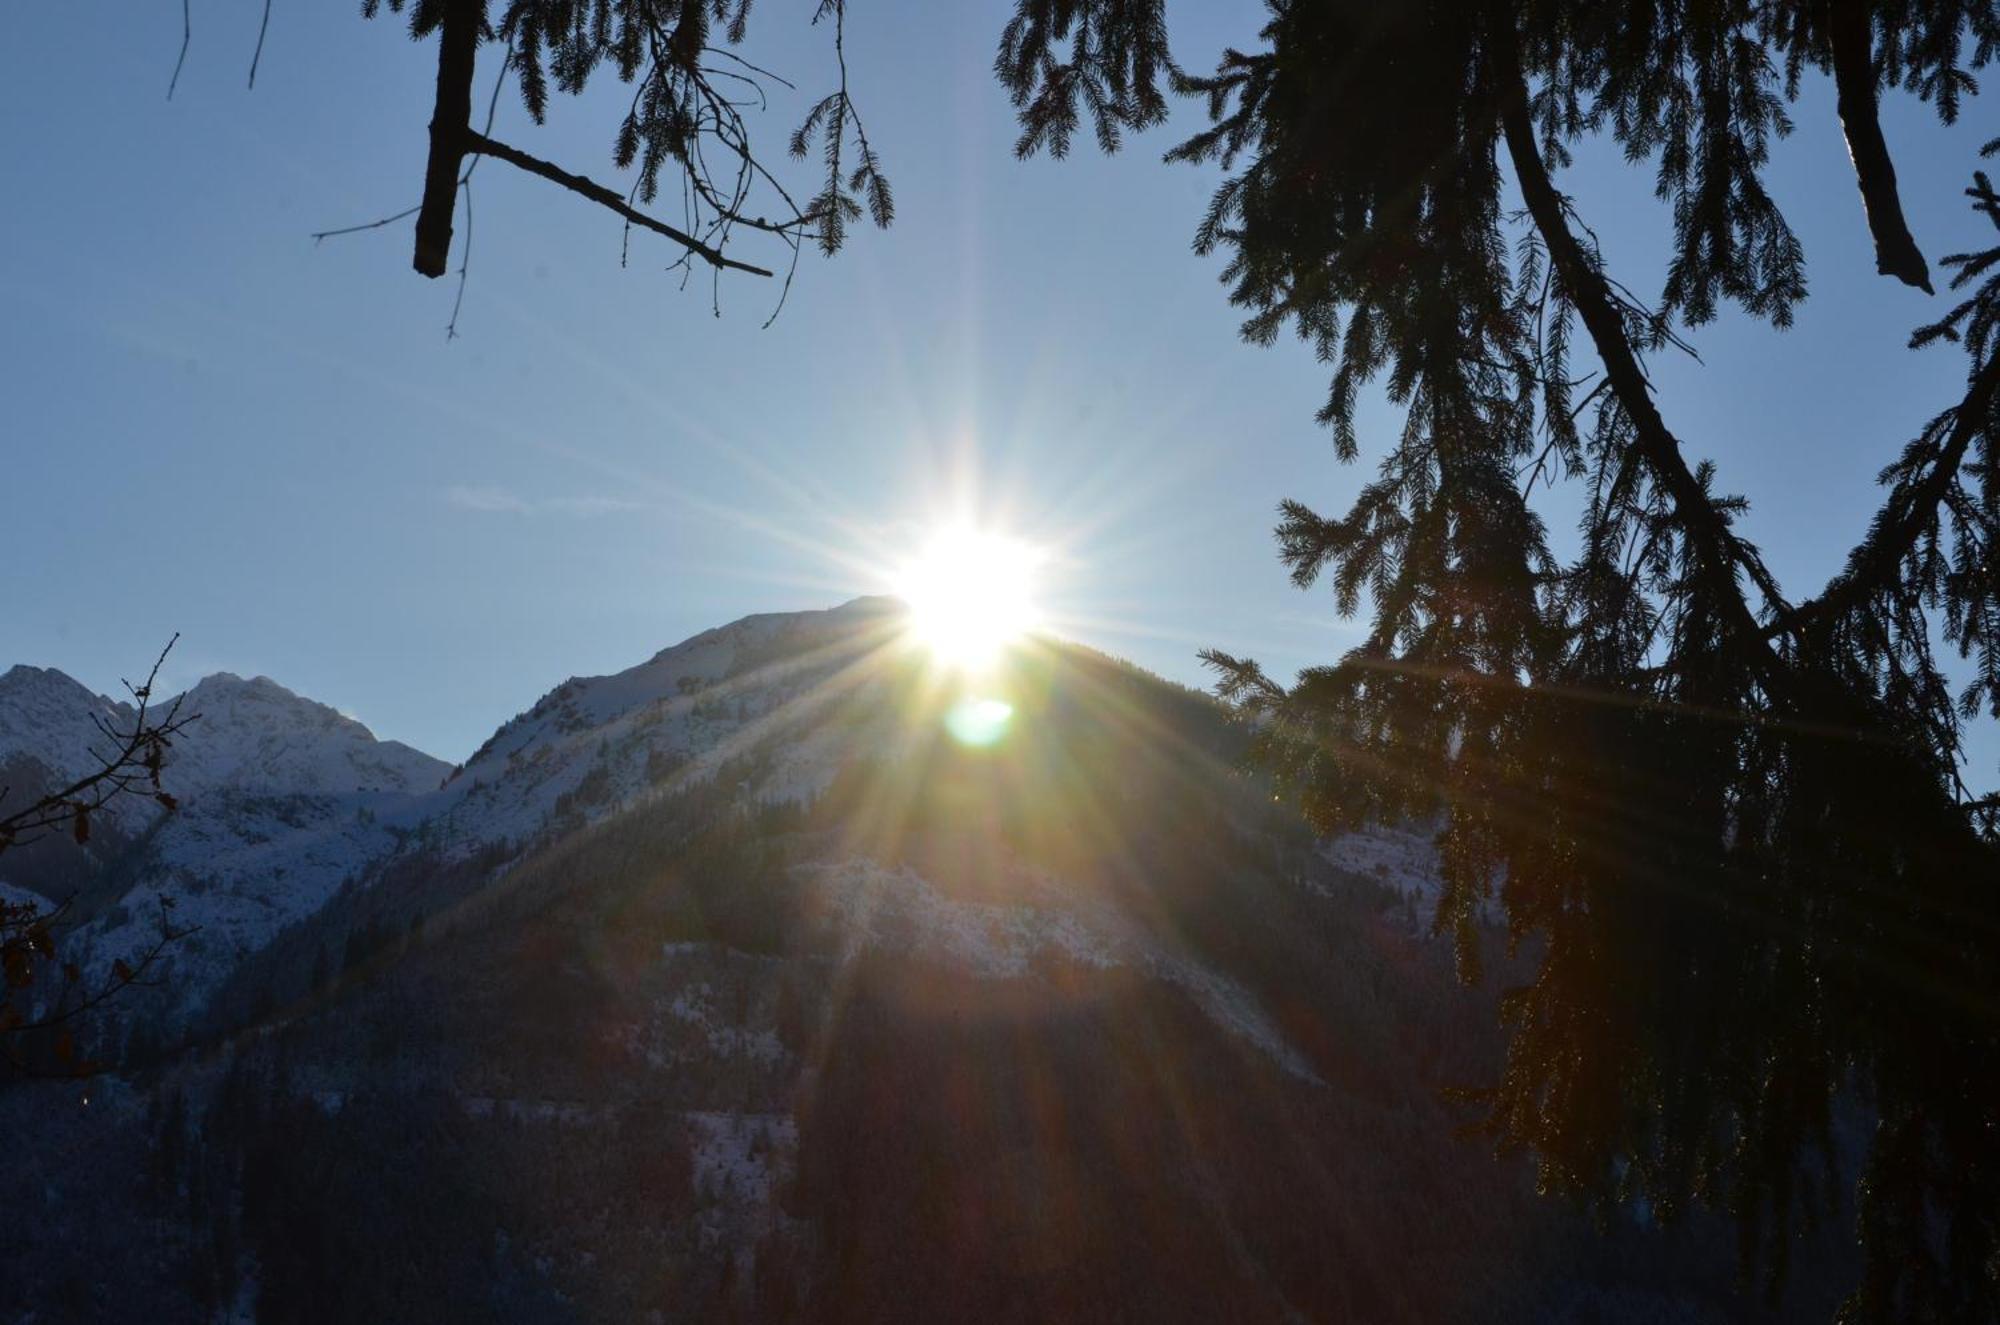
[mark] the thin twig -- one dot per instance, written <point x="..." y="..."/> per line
<point x="258" y="54"/>
<point x="137" y="754"/>
<point x="753" y="68"/>
<point x="492" y="103"/>
<point x="465" y="184"/>
<point x="367" y="225"/>
<point x="187" y="35"/>
<point x="464" y="257"/>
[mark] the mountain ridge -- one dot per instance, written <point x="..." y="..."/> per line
<point x="737" y="985"/>
<point x="285" y="801"/>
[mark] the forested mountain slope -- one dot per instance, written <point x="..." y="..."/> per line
<point x="756" y="983"/>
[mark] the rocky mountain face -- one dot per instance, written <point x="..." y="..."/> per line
<point x="760" y="982"/>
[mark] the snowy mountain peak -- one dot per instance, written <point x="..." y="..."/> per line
<point x="593" y="742"/>
<point x="23" y="678"/>
<point x="284" y="800"/>
<point x="257" y="735"/>
<point x="731" y="650"/>
<point x="280" y="799"/>
<point x="49" y="716"/>
<point x="252" y="735"/>
<point x="754" y="645"/>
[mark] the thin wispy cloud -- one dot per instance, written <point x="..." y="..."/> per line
<point x="484" y="497"/>
<point x="592" y="505"/>
<point x="492" y="499"/>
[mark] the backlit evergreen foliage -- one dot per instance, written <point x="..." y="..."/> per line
<point x="1730" y="825"/>
<point x="685" y="123"/>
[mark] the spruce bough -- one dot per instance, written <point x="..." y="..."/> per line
<point x="1729" y="826"/>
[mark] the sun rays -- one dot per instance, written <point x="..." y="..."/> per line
<point x="971" y="596"/>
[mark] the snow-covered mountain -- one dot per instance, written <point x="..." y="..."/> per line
<point x="256" y="734"/>
<point x="283" y="800"/>
<point x="47" y="715"/>
<point x="593" y="743"/>
<point x="737" y="985"/>
<point x="51" y="726"/>
<point x="252" y="738"/>
<point x="280" y="800"/>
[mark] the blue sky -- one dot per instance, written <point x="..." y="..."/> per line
<point x="215" y="426"/>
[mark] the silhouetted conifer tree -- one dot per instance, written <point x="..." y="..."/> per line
<point x="684" y="123"/>
<point x="1732" y="824"/>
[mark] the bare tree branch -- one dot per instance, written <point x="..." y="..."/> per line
<point x="257" y="56"/>
<point x="366" y="225"/>
<point x="603" y="197"/>
<point x="27" y="934"/>
<point x="187" y="35"/>
<point x="135" y="761"/>
<point x="29" y="939"/>
<point x="1896" y="252"/>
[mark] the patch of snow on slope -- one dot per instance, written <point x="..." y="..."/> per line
<point x="739" y="1160"/>
<point x="1403" y="859"/>
<point x="874" y="906"/>
<point x="695" y="1005"/>
<point x="238" y="869"/>
<point x="1232" y="1007"/>
<point x="805" y="768"/>
<point x="13" y="896"/>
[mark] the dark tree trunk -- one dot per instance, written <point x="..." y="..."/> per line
<point x="451" y="130"/>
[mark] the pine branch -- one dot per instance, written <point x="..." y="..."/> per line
<point x="453" y="139"/>
<point x="1717" y="552"/>
<point x="1874" y="561"/>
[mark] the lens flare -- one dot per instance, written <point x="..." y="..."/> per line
<point x="970" y="595"/>
<point x="978" y="722"/>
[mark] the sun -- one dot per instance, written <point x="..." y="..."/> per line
<point x="971" y="594"/>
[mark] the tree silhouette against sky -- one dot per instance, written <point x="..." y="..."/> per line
<point x="1731" y="820"/>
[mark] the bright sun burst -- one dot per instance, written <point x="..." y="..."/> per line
<point x="971" y="595"/>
